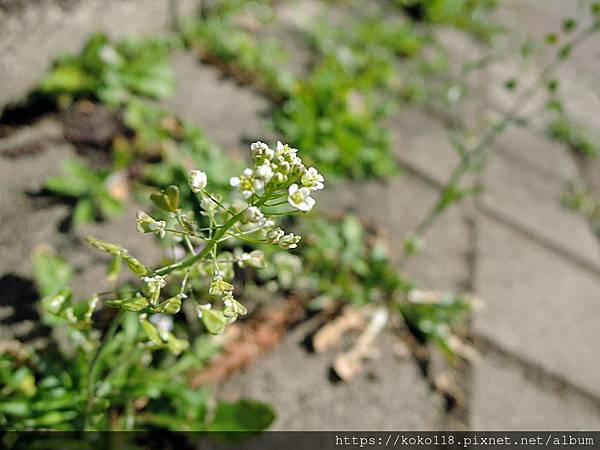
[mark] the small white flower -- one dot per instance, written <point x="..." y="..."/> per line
<point x="208" y="206"/>
<point x="198" y="180"/>
<point x="261" y="150"/>
<point x="285" y="149"/>
<point x="280" y="148"/>
<point x="266" y="223"/>
<point x="245" y="183"/>
<point x="253" y="214"/>
<point x="300" y="198"/>
<point x="289" y="241"/>
<point x="259" y="185"/>
<point x="279" y="178"/>
<point x="264" y="171"/>
<point x="284" y="167"/>
<point x="312" y="179"/>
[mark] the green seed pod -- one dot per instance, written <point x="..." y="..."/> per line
<point x="104" y="246"/>
<point x="171" y="305"/>
<point x="172" y="193"/>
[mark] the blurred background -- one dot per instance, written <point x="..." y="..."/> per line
<point x="458" y="140"/>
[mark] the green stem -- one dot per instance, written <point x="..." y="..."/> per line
<point x="186" y="238"/>
<point x="92" y="372"/>
<point x="488" y="138"/>
<point x="191" y="260"/>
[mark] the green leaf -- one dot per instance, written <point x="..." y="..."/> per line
<point x="569" y="24"/>
<point x="68" y="79"/>
<point x="20" y="408"/>
<point x="55" y="303"/>
<point x="51" y="272"/>
<point x="510" y="84"/>
<point x="109" y="205"/>
<point x="67" y="186"/>
<point x="176" y="346"/>
<point x="83" y="212"/>
<point x="244" y="415"/>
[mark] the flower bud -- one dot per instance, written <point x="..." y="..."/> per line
<point x="197" y="180"/>
<point x="151" y="288"/>
<point x="219" y="287"/>
<point x="274" y="235"/>
<point x="289" y="241"/>
<point x="146" y="224"/>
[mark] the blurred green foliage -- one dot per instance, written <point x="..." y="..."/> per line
<point x="227" y="37"/>
<point x="582" y="200"/>
<point x="338" y="123"/>
<point x="113" y="73"/>
<point x="343" y="261"/>
<point x="472" y="16"/>
<point x="137" y="385"/>
<point x="577" y="138"/>
<point x="89" y="188"/>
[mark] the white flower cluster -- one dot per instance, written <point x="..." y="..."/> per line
<point x="279" y="169"/>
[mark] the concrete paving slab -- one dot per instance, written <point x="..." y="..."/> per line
<point x="538" y="305"/>
<point x="421" y="142"/>
<point x="525" y="186"/>
<point x="505" y="398"/>
<point x="391" y="395"/>
<point x="229" y="114"/>
<point x="32" y="34"/>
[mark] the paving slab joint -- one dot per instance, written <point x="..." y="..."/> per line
<point x="547" y="381"/>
